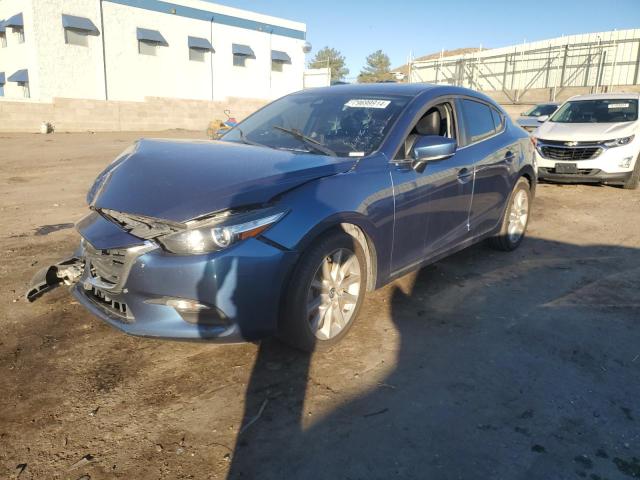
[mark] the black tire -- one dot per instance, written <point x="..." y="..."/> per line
<point x="634" y="180"/>
<point x="502" y="241"/>
<point x="295" y="328"/>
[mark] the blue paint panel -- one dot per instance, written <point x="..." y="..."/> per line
<point x="21" y="76"/>
<point x="79" y="23"/>
<point x="153" y="36"/>
<point x="200" y="43"/>
<point x="16" y="21"/>
<point x="279" y="56"/>
<point x="2" y="78"/>
<point x="242" y="50"/>
<point x="195" y="13"/>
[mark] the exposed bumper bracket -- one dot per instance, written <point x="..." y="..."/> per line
<point x="68" y="272"/>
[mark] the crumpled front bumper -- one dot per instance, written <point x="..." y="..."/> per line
<point x="240" y="288"/>
<point x="236" y="292"/>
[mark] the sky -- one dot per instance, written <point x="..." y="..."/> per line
<point x="358" y="28"/>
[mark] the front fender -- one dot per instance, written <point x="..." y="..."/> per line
<point x="362" y="197"/>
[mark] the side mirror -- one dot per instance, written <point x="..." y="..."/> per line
<point x="543" y="118"/>
<point x="429" y="148"/>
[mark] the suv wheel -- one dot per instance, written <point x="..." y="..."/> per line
<point x="634" y="180"/>
<point x="515" y="219"/>
<point x="325" y="293"/>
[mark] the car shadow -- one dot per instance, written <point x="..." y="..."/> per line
<point x="498" y="365"/>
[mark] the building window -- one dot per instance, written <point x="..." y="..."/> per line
<point x="149" y="41"/>
<point x="19" y="34"/>
<point x="25" y="89"/>
<point x="78" y="29"/>
<point x="278" y="59"/>
<point x="240" y="54"/>
<point x="3" y="39"/>
<point x="147" y="48"/>
<point x="196" y="54"/>
<point x="76" y="37"/>
<point x="1" y="89"/>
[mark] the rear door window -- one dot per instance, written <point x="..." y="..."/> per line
<point x="478" y="120"/>
<point x="498" y="119"/>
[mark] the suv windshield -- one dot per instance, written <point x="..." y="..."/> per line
<point x="347" y="124"/>
<point x="540" y="110"/>
<point x="597" y="111"/>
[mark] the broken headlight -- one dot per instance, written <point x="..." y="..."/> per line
<point x="208" y="235"/>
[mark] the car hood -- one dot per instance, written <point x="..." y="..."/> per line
<point x="528" y="122"/>
<point x="182" y="180"/>
<point x="585" y="131"/>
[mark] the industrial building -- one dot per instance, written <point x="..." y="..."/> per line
<point x="545" y="70"/>
<point x="130" y="50"/>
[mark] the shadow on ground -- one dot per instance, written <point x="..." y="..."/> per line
<point x="508" y="365"/>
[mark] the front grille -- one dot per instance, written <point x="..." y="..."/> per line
<point x="570" y="154"/>
<point x="106" y="265"/>
<point x="114" y="307"/>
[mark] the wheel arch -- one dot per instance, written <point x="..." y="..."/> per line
<point x="356" y="226"/>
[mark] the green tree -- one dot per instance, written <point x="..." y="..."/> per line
<point x="332" y="58"/>
<point x="377" y="69"/>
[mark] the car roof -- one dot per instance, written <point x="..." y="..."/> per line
<point x="606" y="96"/>
<point x="407" y="89"/>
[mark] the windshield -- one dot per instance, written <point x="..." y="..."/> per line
<point x="540" y="110"/>
<point x="346" y="124"/>
<point x="597" y="111"/>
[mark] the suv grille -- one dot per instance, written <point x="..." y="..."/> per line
<point x="570" y="153"/>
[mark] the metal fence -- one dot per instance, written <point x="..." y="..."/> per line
<point x="596" y="60"/>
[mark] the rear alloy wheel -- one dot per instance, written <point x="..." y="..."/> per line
<point x="515" y="219"/>
<point x="325" y="293"/>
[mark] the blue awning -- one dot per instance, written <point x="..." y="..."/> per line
<point x="278" y="56"/>
<point x="2" y="78"/>
<point x="79" y="23"/>
<point x="21" y="76"/>
<point x="153" y="36"/>
<point x="242" y="50"/>
<point x="200" y="43"/>
<point x="16" y="21"/>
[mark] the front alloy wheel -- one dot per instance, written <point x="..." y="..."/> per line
<point x="325" y="292"/>
<point x="333" y="293"/>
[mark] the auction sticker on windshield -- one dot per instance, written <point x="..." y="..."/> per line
<point x="367" y="103"/>
<point x="618" y="105"/>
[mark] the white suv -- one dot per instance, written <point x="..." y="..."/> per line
<point x="591" y="138"/>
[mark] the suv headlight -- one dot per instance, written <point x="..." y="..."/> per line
<point x="618" y="142"/>
<point x="220" y="232"/>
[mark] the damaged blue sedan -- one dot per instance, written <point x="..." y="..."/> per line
<point x="282" y="226"/>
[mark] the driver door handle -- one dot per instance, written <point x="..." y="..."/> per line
<point x="464" y="175"/>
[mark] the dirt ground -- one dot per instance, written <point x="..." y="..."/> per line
<point x="483" y="366"/>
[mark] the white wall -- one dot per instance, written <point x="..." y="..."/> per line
<point x="69" y="71"/>
<point x="19" y="56"/>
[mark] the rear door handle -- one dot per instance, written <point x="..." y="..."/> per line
<point x="464" y="175"/>
<point x="509" y="157"/>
